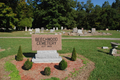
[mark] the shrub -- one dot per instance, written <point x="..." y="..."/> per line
<point x="47" y="71"/>
<point x="19" y="54"/>
<point x="63" y="65"/>
<point x="27" y="65"/>
<point x="74" y="56"/>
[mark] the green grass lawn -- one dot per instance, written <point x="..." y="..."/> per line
<point x="107" y="67"/>
<point x="115" y="34"/>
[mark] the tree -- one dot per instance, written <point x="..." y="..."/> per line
<point x="74" y="56"/>
<point x="7" y="17"/>
<point x="55" y="13"/>
<point x="106" y="5"/>
<point x="19" y="54"/>
<point x="26" y="22"/>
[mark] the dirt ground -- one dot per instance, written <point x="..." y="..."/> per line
<point x="37" y="69"/>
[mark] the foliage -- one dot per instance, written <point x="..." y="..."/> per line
<point x="26" y="22"/>
<point x="47" y="71"/>
<point x="14" y="75"/>
<point x="74" y="56"/>
<point x="7" y="17"/>
<point x="27" y="65"/>
<point x="19" y="54"/>
<point x="57" y="13"/>
<point x="63" y="65"/>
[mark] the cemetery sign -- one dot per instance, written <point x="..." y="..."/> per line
<point x="46" y="42"/>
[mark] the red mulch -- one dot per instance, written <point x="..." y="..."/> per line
<point x="36" y="72"/>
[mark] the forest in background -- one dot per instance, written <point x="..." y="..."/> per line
<point x="57" y="13"/>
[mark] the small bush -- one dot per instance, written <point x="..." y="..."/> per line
<point x="47" y="71"/>
<point x="74" y="56"/>
<point x="19" y="54"/>
<point x="63" y="65"/>
<point x="27" y="65"/>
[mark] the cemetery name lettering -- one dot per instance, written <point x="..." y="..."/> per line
<point x="46" y="41"/>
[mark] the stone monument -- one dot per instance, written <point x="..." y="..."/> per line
<point x="56" y="28"/>
<point x="113" y="50"/>
<point x="93" y="30"/>
<point x="25" y="28"/>
<point x="51" y="30"/>
<point x="46" y="46"/>
<point x="29" y="29"/>
<point x="61" y="27"/>
<point x="79" y="31"/>
<point x="37" y="30"/>
<point x="42" y="29"/>
<point x="75" y="30"/>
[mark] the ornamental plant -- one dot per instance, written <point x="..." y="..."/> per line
<point x="47" y="71"/>
<point x="27" y="65"/>
<point x="74" y="56"/>
<point x="19" y="54"/>
<point x="63" y="65"/>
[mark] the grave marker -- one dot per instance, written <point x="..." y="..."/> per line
<point x="46" y="46"/>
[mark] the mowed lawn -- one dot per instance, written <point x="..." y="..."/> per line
<point x="107" y="67"/>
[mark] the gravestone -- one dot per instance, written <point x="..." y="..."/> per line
<point x="61" y="27"/>
<point x="25" y="28"/>
<point x="65" y="28"/>
<point x="42" y="29"/>
<point x="46" y="29"/>
<point x="37" y="30"/>
<point x="56" y="28"/>
<point x="75" y="30"/>
<point x="82" y="28"/>
<point x="107" y="29"/>
<point x="104" y="47"/>
<point x="56" y="33"/>
<point x="15" y="28"/>
<point x="51" y="30"/>
<point x="29" y="29"/>
<point x="46" y="46"/>
<point x="93" y="30"/>
<point x="114" y="46"/>
<point x="80" y="31"/>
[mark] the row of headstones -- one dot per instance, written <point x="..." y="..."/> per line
<point x="42" y="28"/>
<point x="80" y="31"/>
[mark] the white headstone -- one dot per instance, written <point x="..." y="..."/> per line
<point x="15" y="28"/>
<point x="46" y="29"/>
<point x="75" y="30"/>
<point x="25" y="28"/>
<point x="56" y="28"/>
<point x="61" y="27"/>
<point x="65" y="28"/>
<point x="107" y="29"/>
<point x="93" y="30"/>
<point x="42" y="29"/>
<point x="30" y="29"/>
<point x="51" y="30"/>
<point x="56" y="33"/>
<point x="105" y="47"/>
<point x="37" y="30"/>
<point x="63" y="32"/>
<point x="82" y="28"/>
<point x="80" y="31"/>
